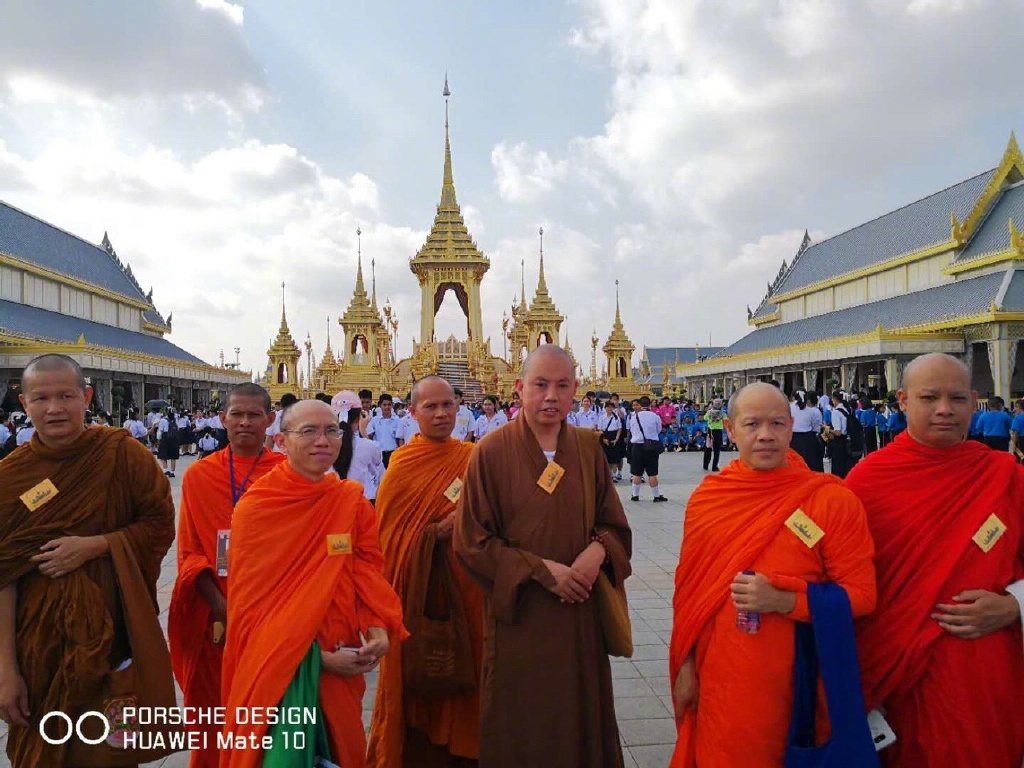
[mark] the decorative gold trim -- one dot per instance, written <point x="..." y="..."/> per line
<point x="37" y="346"/>
<point x="942" y="329"/>
<point x="764" y="319"/>
<point x="871" y="269"/>
<point x="161" y="329"/>
<point x="71" y="282"/>
<point x="985" y="260"/>
<point x="1012" y="158"/>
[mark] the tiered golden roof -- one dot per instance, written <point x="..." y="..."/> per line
<point x="284" y="359"/>
<point x="543" y="318"/>
<point x="618" y="350"/>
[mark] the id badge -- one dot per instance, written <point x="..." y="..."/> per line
<point x="223" y="538"/>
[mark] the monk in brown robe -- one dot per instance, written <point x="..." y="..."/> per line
<point x="521" y="531"/>
<point x="67" y="499"/>
<point x="417" y="496"/>
<point x="197" y="618"/>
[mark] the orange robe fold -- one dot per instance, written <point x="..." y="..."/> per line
<point x="286" y="591"/>
<point x="951" y="702"/>
<point x="71" y="631"/>
<point x="412" y="497"/>
<point x="735" y="521"/>
<point x="206" y="507"/>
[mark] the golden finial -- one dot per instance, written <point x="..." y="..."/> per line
<point x="542" y="285"/>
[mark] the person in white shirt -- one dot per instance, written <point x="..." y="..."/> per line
<point x="5" y="433"/>
<point x="464" y="419"/>
<point x="807" y="422"/>
<point x="185" y="435"/>
<point x="644" y="430"/>
<point x="383" y="428"/>
<point x="407" y="427"/>
<point x="167" y="450"/>
<point x="491" y="420"/>
<point x="24" y="431"/>
<point x="587" y="416"/>
<point x="610" y="427"/>
<point x="207" y="445"/>
<point x="137" y="429"/>
<point x="839" y="447"/>
<point x="287" y="400"/>
<point x="360" y="458"/>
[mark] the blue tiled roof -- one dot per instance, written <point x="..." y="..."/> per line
<point x="963" y="297"/>
<point x="658" y="356"/>
<point x="1013" y="301"/>
<point x="30" y="239"/>
<point x="37" y="323"/>
<point x="994" y="233"/>
<point x="910" y="228"/>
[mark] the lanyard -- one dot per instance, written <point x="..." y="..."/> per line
<point x="236" y="492"/>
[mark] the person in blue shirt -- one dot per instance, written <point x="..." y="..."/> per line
<point x="868" y="419"/>
<point x="897" y="420"/>
<point x="882" y="426"/>
<point x="995" y="424"/>
<point x="1017" y="431"/>
<point x="974" y="430"/>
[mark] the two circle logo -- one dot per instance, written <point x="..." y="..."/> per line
<point x="74" y="727"/>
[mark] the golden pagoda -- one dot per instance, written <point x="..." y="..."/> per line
<point x="543" y="322"/>
<point x="618" y="351"/>
<point x="284" y="360"/>
<point x="448" y="260"/>
<point x="328" y="369"/>
<point x="367" y="347"/>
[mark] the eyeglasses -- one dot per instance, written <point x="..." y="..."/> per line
<point x="309" y="434"/>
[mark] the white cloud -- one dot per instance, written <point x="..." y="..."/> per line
<point x="192" y="52"/>
<point x="524" y="176"/>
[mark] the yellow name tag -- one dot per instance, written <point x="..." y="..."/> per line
<point x="39" y="495"/>
<point x="551" y="477"/>
<point x="991" y="531"/>
<point x="805" y="529"/>
<point x="339" y="544"/>
<point x="454" y="490"/>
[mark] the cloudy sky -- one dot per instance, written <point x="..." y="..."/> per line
<point x="682" y="146"/>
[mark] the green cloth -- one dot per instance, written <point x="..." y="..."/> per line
<point x="303" y="694"/>
<point x="715" y="418"/>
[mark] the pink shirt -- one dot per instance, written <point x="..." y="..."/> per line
<point x="667" y="414"/>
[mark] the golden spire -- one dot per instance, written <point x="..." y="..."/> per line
<point x="542" y="285"/>
<point x="522" y="285"/>
<point x="618" y="317"/>
<point x="448" y="201"/>
<point x="284" y="321"/>
<point x="373" y="278"/>
<point x="360" y="287"/>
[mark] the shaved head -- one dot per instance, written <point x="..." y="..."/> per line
<point x="548" y="353"/>
<point x="758" y="390"/>
<point x="51" y="363"/>
<point x="936" y="363"/>
<point x="428" y="382"/>
<point x="937" y="398"/>
<point x="762" y="425"/>
<point x="291" y="414"/>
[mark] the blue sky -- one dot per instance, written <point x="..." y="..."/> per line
<point x="680" y="145"/>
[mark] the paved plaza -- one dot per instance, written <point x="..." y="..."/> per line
<point x="641" y="684"/>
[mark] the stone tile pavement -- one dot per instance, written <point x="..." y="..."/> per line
<point x="642" y="700"/>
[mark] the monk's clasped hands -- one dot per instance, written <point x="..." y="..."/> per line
<point x="349" y="662"/>
<point x="757" y="595"/>
<point x="977" y="613"/>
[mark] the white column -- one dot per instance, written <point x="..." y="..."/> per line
<point x="1002" y="354"/>
<point x="892" y="375"/>
<point x="426" y="313"/>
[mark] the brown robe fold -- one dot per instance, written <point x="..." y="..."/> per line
<point x="546" y="695"/>
<point x="71" y="630"/>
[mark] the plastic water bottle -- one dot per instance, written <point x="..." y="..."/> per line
<point x="748" y="622"/>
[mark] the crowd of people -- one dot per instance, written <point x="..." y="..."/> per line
<point x="478" y="561"/>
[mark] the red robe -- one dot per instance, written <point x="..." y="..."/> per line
<point x="206" y="507"/>
<point x="951" y="702"/>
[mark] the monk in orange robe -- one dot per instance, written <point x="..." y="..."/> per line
<point x="733" y="691"/>
<point x="943" y="653"/>
<point x="307" y="591"/>
<point x="67" y="500"/>
<point x="198" y="613"/>
<point x="418" y="494"/>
